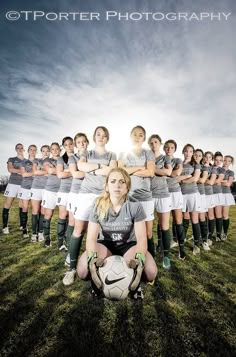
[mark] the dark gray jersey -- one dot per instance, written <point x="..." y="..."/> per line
<point x="95" y="183"/>
<point x="189" y="169"/>
<point x="218" y="188"/>
<point x="159" y="186"/>
<point x="53" y="182"/>
<point x="211" y="171"/>
<point x="39" y="181"/>
<point x="140" y="186"/>
<point x="76" y="182"/>
<point x="15" y="179"/>
<point x="27" y="181"/>
<point x="228" y="174"/>
<point x="201" y="186"/>
<point x="66" y="182"/>
<point x="119" y="227"/>
<point x="173" y="184"/>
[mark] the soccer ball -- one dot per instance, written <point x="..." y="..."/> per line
<point x="116" y="277"/>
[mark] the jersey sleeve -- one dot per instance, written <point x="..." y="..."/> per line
<point x="60" y="161"/>
<point x="72" y="160"/>
<point x="138" y="212"/>
<point x="93" y="215"/>
<point x="150" y="155"/>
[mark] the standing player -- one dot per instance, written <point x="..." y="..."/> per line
<point x="161" y="196"/>
<point x="26" y="183"/>
<point x="218" y="196"/>
<point x="50" y="193"/>
<point x="227" y="195"/>
<point x="122" y="226"/>
<point x="37" y="189"/>
<point x="13" y="187"/>
<point x="198" y="157"/>
<point x="96" y="164"/>
<point x="64" y="174"/>
<point x="191" y="197"/>
<point x="170" y="147"/>
<point x="140" y="165"/>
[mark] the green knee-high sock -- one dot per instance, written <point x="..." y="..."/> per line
<point x="166" y="242"/>
<point x="75" y="244"/>
<point x="225" y="225"/>
<point x="61" y="229"/>
<point x="159" y="237"/>
<point x="69" y="232"/>
<point x="174" y="231"/>
<point x="180" y="236"/>
<point x="20" y="216"/>
<point x="24" y="221"/>
<point x="211" y="227"/>
<point x="219" y="226"/>
<point x="203" y="229"/>
<point x="186" y="225"/>
<point x="196" y="233"/>
<point x="5" y="217"/>
<point x="40" y="223"/>
<point x="35" y="223"/>
<point x="46" y="230"/>
<point x="151" y="247"/>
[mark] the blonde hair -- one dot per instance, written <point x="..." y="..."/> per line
<point x="103" y="202"/>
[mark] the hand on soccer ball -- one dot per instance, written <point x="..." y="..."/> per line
<point x="137" y="264"/>
<point x="93" y="265"/>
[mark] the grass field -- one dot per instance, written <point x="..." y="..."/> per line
<point x="189" y="312"/>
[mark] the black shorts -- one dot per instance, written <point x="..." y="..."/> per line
<point x="115" y="249"/>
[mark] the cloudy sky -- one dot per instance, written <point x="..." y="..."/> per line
<point x="177" y="78"/>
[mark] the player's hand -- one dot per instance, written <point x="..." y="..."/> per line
<point x="94" y="262"/>
<point x="137" y="264"/>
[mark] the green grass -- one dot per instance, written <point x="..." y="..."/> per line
<point x="189" y="312"/>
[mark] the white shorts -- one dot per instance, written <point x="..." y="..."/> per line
<point x="228" y="199"/>
<point x="24" y="194"/>
<point x="176" y="200"/>
<point x="49" y="199"/>
<point x="191" y="202"/>
<point x="148" y="207"/>
<point x="210" y="202"/>
<point x="62" y="198"/>
<point x="162" y="205"/>
<point x="84" y="206"/>
<point x="203" y="204"/>
<point x="36" y="194"/>
<point x="218" y="199"/>
<point x="12" y="190"/>
<point x="72" y="202"/>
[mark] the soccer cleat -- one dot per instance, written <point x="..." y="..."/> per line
<point x="206" y="247"/>
<point x="151" y="283"/>
<point x="166" y="263"/>
<point x="21" y="228"/>
<point x="5" y="230"/>
<point x="25" y="233"/>
<point x="218" y="238"/>
<point x="224" y="236"/>
<point x="196" y="250"/>
<point x="67" y="261"/>
<point x="40" y="237"/>
<point x="63" y="247"/>
<point x="34" y="238"/>
<point x="69" y="277"/>
<point x="182" y="255"/>
<point x="174" y="244"/>
<point x="47" y="244"/>
<point x="138" y="294"/>
<point x="209" y="242"/>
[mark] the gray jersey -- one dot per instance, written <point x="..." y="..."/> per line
<point x="218" y="188"/>
<point x="228" y="174"/>
<point x="159" y="186"/>
<point x="119" y="227"/>
<point x="201" y="186"/>
<point x="211" y="171"/>
<point x="189" y="169"/>
<point x="140" y="186"/>
<point x="15" y="179"/>
<point x="53" y="182"/>
<point x="27" y="181"/>
<point x="66" y="182"/>
<point x="76" y="182"/>
<point x="173" y="184"/>
<point x="95" y="183"/>
<point x="39" y="181"/>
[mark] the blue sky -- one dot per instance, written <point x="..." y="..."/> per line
<point x="176" y="78"/>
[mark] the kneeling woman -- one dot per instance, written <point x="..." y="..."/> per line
<point x="121" y="224"/>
